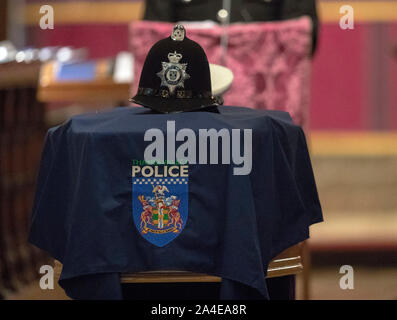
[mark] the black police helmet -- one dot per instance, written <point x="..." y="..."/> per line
<point x="176" y="76"/>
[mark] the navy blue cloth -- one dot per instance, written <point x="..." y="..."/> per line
<point x="236" y="224"/>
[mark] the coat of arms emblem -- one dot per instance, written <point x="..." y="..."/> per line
<point x="160" y="208"/>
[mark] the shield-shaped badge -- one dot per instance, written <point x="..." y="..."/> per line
<point x="160" y="208"/>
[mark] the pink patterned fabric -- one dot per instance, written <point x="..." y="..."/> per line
<point x="270" y="60"/>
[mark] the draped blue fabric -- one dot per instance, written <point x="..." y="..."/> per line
<point x="236" y="223"/>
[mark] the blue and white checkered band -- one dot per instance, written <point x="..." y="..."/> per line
<point x="160" y="207"/>
<point x="173" y="74"/>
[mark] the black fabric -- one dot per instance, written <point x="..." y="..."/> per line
<point x="281" y="288"/>
<point x="242" y="11"/>
<point x="83" y="213"/>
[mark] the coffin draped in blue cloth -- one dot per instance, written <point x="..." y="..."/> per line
<point x="128" y="190"/>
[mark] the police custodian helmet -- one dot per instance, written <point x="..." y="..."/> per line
<point x="176" y="76"/>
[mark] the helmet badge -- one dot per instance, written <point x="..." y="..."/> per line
<point x="173" y="74"/>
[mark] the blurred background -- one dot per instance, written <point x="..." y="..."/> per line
<point x="333" y="68"/>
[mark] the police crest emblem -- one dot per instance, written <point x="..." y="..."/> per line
<point x="160" y="208"/>
<point x="173" y="74"/>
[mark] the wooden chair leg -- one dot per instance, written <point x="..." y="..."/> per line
<point x="306" y="270"/>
